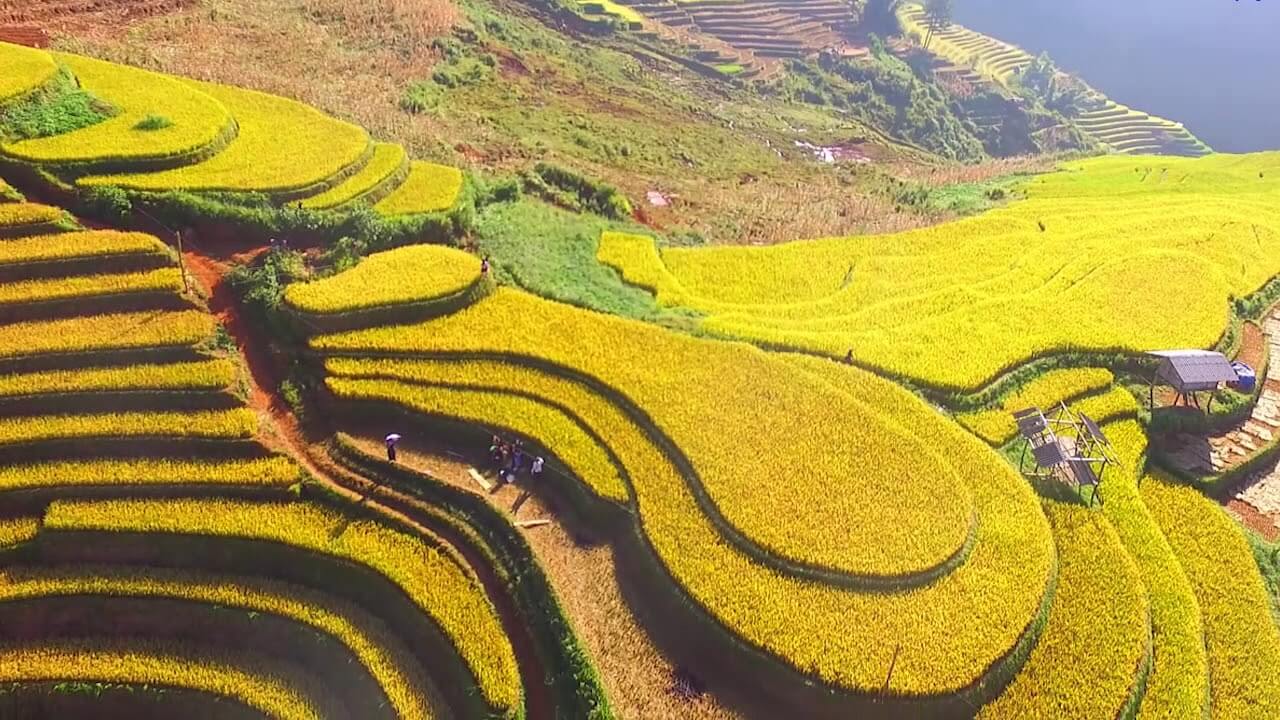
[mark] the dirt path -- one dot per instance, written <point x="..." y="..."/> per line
<point x="641" y="682"/>
<point x="285" y="434"/>
<point x="1256" y="502"/>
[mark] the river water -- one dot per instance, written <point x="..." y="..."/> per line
<point x="1213" y="65"/>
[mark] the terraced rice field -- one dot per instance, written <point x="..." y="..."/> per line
<point x="153" y="539"/>
<point x="170" y="133"/>
<point x="196" y="122"/>
<point x="955" y="305"/>
<point x="1089" y="594"/>
<point x="809" y="533"/>
<point x="1118" y="127"/>
<point x="601" y="412"/>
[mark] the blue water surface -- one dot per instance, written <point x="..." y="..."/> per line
<point x="1213" y="65"/>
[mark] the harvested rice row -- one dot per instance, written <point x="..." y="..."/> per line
<point x="750" y="600"/>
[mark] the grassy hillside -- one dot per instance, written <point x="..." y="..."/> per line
<point x="512" y="86"/>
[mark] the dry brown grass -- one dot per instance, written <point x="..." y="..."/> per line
<point x="409" y="25"/>
<point x="947" y="174"/>
<point x="338" y="55"/>
<point x="732" y="165"/>
<point x="637" y="678"/>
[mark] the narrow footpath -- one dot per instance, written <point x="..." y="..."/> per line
<point x="1256" y="501"/>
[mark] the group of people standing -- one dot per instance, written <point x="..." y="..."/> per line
<point x="510" y="458"/>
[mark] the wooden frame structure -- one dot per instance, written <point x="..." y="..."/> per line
<point x="1065" y="446"/>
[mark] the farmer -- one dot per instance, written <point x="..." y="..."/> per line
<point x="848" y="357"/>
<point x="484" y="265"/>
<point x="392" y="439"/>
<point x="517" y="460"/>
<point x="535" y="474"/>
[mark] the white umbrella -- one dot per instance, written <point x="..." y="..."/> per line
<point x="393" y="438"/>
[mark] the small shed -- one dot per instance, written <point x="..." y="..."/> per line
<point x="1191" y="371"/>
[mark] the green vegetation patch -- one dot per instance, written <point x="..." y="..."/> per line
<point x="60" y="107"/>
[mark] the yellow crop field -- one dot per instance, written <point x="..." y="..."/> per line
<point x="283" y="146"/>
<point x="1045" y="392"/>
<point x="18" y="214"/>
<point x="8" y="193"/>
<point x="944" y="635"/>
<point x="14" y="531"/>
<point x="273" y="471"/>
<point x="89" y="243"/>
<point x="106" y="332"/>
<point x="109" y="661"/>
<point x="1087" y="663"/>
<point x="196" y="375"/>
<point x="1179" y="682"/>
<point x="1239" y="630"/>
<point x="385" y="656"/>
<point x="388" y="158"/>
<point x="86" y="286"/>
<point x="439" y="587"/>
<point x="25" y="69"/>
<point x="956" y="304"/>
<point x="239" y="423"/>
<point x="411" y="274"/>
<point x="429" y="188"/>
<point x="797" y="518"/>
<point x="196" y="120"/>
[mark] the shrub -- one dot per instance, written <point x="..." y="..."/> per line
<point x="558" y="184"/>
<point x="153" y="122"/>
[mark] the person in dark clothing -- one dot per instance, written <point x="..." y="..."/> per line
<point x="517" y="460"/>
<point x="484" y="265"/>
<point x="848" y="357"/>
<point x="392" y="439"/>
<point x="535" y="474"/>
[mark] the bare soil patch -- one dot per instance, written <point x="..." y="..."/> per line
<point x="95" y="17"/>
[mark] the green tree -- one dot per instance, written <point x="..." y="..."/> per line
<point x="937" y="16"/>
